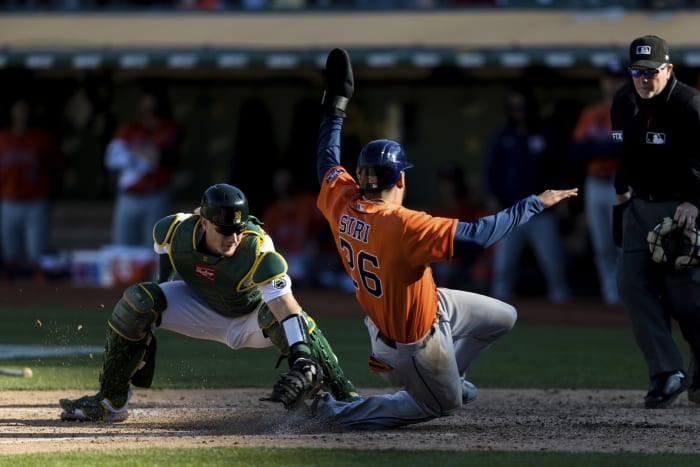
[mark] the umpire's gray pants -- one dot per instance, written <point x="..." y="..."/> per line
<point x="653" y="294"/>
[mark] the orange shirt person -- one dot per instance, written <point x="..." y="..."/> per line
<point x="30" y="163"/>
<point x="423" y="337"/>
<point x="144" y="152"/>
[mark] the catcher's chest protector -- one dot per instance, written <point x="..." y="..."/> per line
<point x="217" y="279"/>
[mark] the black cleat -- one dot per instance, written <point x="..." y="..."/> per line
<point x="665" y="388"/>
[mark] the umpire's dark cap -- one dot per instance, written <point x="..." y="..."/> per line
<point x="649" y="52"/>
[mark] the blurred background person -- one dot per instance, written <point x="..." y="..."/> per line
<point x="593" y="149"/>
<point x="454" y="202"/>
<point x="518" y="165"/>
<point x="30" y="173"/>
<point x="144" y="152"/>
<point x="294" y="221"/>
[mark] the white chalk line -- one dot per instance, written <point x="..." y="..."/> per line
<point x="168" y="434"/>
<point x="8" y="351"/>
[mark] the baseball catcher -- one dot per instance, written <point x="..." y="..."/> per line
<point x="232" y="287"/>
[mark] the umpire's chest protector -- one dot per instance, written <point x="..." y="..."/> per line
<point x="217" y="280"/>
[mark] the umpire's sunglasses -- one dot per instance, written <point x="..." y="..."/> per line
<point x="228" y="230"/>
<point x="647" y="72"/>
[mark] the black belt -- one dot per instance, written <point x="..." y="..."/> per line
<point x="655" y="197"/>
<point x="392" y="343"/>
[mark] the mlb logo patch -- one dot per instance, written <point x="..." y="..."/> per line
<point x="656" y="138"/>
<point x="643" y="50"/>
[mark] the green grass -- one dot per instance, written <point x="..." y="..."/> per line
<point x="531" y="356"/>
<point x="182" y="362"/>
<point x="297" y="457"/>
<point x="546" y="356"/>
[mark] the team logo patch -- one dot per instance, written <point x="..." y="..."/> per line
<point x="279" y="283"/>
<point x="656" y="138"/>
<point x="205" y="272"/>
<point x="333" y="174"/>
<point x="617" y="136"/>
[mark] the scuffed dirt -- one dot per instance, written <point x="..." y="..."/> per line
<point x="500" y="419"/>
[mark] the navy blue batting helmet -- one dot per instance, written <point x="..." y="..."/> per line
<point x="380" y="164"/>
<point x="225" y="205"/>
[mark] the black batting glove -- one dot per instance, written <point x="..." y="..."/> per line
<point x="340" y="84"/>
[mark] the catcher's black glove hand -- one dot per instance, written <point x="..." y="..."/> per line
<point x="302" y="381"/>
<point x="340" y="84"/>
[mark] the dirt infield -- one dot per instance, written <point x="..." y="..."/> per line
<point x="500" y="419"/>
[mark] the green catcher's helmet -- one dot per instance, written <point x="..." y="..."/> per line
<point x="225" y="206"/>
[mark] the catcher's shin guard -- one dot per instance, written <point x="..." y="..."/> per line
<point x="130" y="345"/>
<point x="334" y="379"/>
<point x="121" y="359"/>
<point x="143" y="377"/>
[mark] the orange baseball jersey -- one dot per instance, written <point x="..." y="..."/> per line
<point x="293" y="222"/>
<point x="386" y="250"/>
<point x="594" y="122"/>
<point x="26" y="164"/>
<point x="594" y="125"/>
<point x="166" y="137"/>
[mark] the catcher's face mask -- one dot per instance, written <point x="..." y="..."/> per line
<point x="676" y="247"/>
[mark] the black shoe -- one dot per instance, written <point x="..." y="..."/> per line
<point x="665" y="388"/>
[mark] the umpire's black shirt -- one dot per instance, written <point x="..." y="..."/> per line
<point x="659" y="143"/>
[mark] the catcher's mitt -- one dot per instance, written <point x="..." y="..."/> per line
<point x="302" y="381"/>
<point x="676" y="247"/>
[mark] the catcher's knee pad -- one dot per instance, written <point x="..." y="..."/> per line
<point x="139" y="308"/>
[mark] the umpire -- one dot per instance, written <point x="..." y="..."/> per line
<point x="656" y="126"/>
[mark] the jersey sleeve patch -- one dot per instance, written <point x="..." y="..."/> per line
<point x="334" y="173"/>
